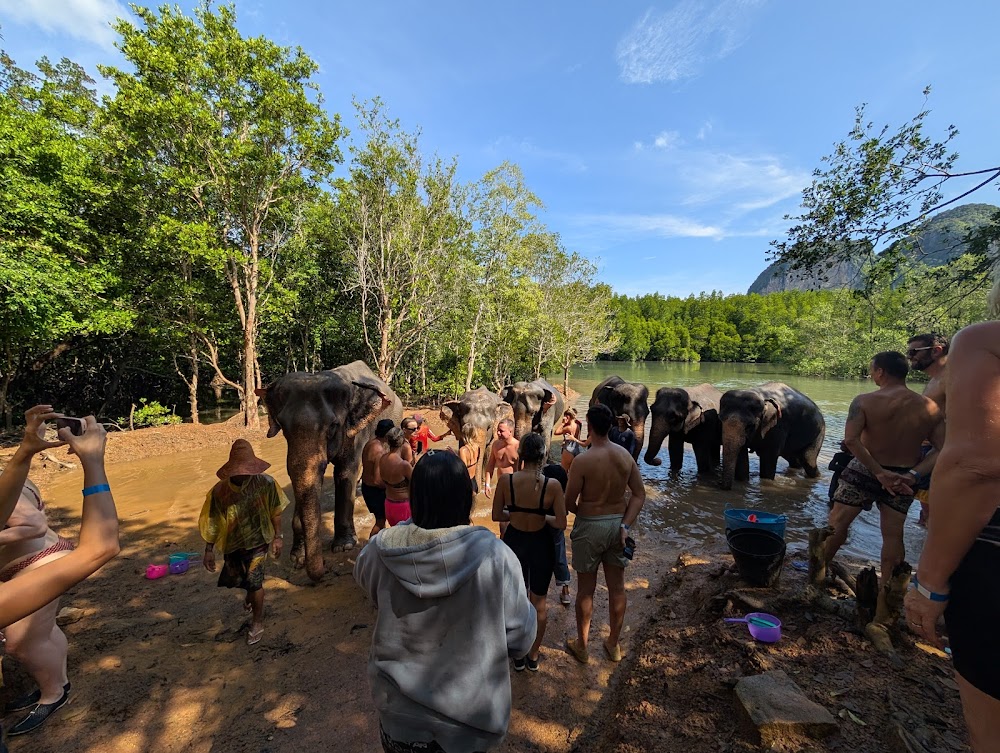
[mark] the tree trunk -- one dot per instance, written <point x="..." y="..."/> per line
<point x="5" y="408"/>
<point x="471" y="365"/>
<point x="193" y="384"/>
<point x="566" y="379"/>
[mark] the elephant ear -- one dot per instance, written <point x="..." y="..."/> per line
<point x="548" y="399"/>
<point x="449" y="409"/>
<point x="696" y="414"/>
<point x="772" y="413"/>
<point x="270" y="404"/>
<point x="507" y="394"/>
<point x="503" y="410"/>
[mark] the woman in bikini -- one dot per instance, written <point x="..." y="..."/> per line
<point x="572" y="446"/>
<point x="470" y="453"/>
<point x="395" y="470"/>
<point x="528" y="500"/>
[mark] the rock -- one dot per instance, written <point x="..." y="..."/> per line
<point x="777" y="709"/>
<point x="68" y="615"/>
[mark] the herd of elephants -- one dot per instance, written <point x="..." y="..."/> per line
<point x="326" y="418"/>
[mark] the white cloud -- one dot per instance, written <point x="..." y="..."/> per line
<point x="663" y="140"/>
<point x="747" y="182"/>
<point x="571" y="162"/>
<point x="88" y="20"/>
<point x="675" y="44"/>
<point x="705" y="130"/>
<point x="660" y="225"/>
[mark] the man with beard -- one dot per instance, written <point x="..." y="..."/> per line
<point x="929" y="353"/>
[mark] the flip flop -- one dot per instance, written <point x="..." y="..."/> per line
<point x="614" y="654"/>
<point x="579" y="653"/>
<point x="253" y="637"/>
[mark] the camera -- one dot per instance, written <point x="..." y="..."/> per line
<point x="76" y="426"/>
<point x="629" y="550"/>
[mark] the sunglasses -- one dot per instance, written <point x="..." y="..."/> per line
<point x="409" y="428"/>
<point x="914" y="351"/>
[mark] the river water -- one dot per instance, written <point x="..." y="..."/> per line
<point x="688" y="510"/>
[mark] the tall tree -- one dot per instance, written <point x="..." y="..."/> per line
<point x="230" y="132"/>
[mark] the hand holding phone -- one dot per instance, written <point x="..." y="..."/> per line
<point x="629" y="550"/>
<point x="76" y="426"/>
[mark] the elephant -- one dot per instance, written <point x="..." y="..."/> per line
<point x="537" y="406"/>
<point x="326" y="417"/>
<point x="686" y="415"/>
<point x="473" y="418"/>
<point x="625" y="398"/>
<point x="772" y="420"/>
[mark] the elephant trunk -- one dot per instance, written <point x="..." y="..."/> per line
<point x="657" y="433"/>
<point x="733" y="442"/>
<point x="639" y="429"/>
<point x="305" y="468"/>
<point x="522" y="426"/>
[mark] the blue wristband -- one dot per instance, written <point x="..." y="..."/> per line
<point x="926" y="592"/>
<point x="97" y="489"/>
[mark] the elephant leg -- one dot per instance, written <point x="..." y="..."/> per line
<point x="810" y="457"/>
<point x="675" y="448"/>
<point x="703" y="455"/>
<point x="297" y="554"/>
<point x="768" y="465"/>
<point x="743" y="465"/>
<point x="346" y="480"/>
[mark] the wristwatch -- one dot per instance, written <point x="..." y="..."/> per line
<point x="926" y="592"/>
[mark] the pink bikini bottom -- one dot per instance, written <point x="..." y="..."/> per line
<point x="396" y="511"/>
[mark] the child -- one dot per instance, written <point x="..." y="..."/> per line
<point x="242" y="516"/>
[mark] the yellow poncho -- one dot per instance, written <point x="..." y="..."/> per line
<point x="239" y="517"/>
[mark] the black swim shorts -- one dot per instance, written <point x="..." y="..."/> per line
<point x="973" y="608"/>
<point x="374" y="497"/>
<point x="535" y="553"/>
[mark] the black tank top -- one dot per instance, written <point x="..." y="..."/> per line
<point x="540" y="510"/>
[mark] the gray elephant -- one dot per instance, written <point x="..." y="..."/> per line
<point x="537" y="405"/>
<point x="625" y="398"/>
<point x="326" y="417"/>
<point x="774" y="421"/>
<point x="473" y="420"/>
<point x="686" y="415"/>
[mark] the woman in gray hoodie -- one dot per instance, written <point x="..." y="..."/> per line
<point x="452" y="608"/>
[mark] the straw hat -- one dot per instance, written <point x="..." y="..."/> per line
<point x="242" y="462"/>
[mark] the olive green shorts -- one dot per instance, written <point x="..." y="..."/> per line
<point x="595" y="540"/>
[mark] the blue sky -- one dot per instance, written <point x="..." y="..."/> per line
<point x="666" y="140"/>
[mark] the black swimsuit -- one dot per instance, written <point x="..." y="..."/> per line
<point x="533" y="548"/>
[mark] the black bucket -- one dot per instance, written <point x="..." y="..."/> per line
<point x="759" y="555"/>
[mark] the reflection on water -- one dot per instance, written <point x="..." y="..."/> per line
<point x="686" y="510"/>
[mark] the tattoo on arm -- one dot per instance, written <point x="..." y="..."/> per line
<point x="855" y="410"/>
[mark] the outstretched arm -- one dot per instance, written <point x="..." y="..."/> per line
<point x="16" y="473"/>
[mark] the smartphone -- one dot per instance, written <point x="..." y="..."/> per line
<point x="76" y="426"/>
<point x="629" y="550"/>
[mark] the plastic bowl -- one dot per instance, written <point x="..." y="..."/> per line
<point x="156" y="571"/>
<point x="178" y="567"/>
<point x="765" y="634"/>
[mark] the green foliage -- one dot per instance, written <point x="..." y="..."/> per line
<point x="151" y="413"/>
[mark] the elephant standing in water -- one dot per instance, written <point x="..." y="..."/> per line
<point x="537" y="406"/>
<point x="473" y="420"/>
<point x="625" y="398"/>
<point x="326" y="417"/>
<point x="686" y="415"/>
<point x="774" y="421"/>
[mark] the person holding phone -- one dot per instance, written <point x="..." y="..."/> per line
<point x="43" y="580"/>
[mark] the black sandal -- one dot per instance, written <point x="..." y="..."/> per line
<point x="39" y="714"/>
<point x="25" y="701"/>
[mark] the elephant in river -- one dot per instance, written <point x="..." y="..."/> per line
<point x="326" y="417"/>
<point x="473" y="419"/>
<point x="625" y="398"/>
<point x="774" y="421"/>
<point x="686" y="415"/>
<point x="537" y="405"/>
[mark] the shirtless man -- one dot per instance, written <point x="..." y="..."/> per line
<point x="503" y="454"/>
<point x="885" y="430"/>
<point x="596" y="494"/>
<point x="372" y="486"/>
<point x="929" y="353"/>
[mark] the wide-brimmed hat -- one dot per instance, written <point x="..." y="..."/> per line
<point x="242" y="462"/>
<point x="624" y="418"/>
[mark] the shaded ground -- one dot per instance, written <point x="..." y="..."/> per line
<point x="675" y="693"/>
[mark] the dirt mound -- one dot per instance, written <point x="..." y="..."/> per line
<point x="676" y="692"/>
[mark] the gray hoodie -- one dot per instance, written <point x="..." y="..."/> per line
<point x="451" y="608"/>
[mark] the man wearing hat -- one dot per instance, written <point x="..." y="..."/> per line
<point x="242" y="517"/>
<point x="623" y="434"/>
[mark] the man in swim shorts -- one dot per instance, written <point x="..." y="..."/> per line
<point x="884" y="431"/>
<point x="372" y="487"/>
<point x="596" y="493"/>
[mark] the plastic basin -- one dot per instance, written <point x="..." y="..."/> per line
<point x="767" y="521"/>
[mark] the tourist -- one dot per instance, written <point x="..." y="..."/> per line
<point x="884" y="431"/>
<point x="530" y="504"/>
<point x="372" y="486"/>
<point x="622" y="435"/>
<point x="503" y="455"/>
<point x="36" y="642"/>
<point x="957" y="571"/>
<point x="395" y="471"/>
<point x="929" y="353"/>
<point x="44" y="580"/>
<point x="596" y="494"/>
<point x="242" y="517"/>
<point x="470" y="452"/>
<point x="558" y="473"/>
<point x="420" y="435"/>
<point x="569" y="430"/>
<point x="450" y="608"/>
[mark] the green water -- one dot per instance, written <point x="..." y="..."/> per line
<point x="688" y="510"/>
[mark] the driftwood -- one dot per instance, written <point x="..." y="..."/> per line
<point x="49" y="459"/>
<point x="843" y="578"/>
<point x="817" y="554"/>
<point x="888" y="609"/>
<point x="866" y="595"/>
